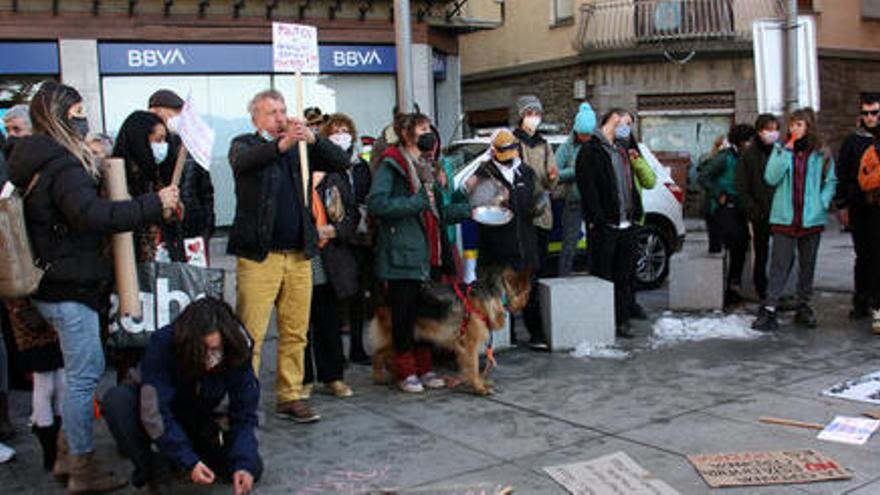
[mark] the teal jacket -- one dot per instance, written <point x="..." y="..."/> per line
<point x="566" y="156"/>
<point x="819" y="187"/>
<point x="401" y="249"/>
<point x="719" y="178"/>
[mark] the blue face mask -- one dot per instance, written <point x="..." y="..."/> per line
<point x="265" y="135"/>
<point x="160" y="151"/>
<point x="622" y="132"/>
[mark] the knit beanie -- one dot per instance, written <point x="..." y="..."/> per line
<point x="528" y="102"/>
<point x="585" y="120"/>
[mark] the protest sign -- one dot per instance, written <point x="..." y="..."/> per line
<point x="767" y="468"/>
<point x="613" y="474"/>
<point x="197" y="136"/>
<point x="294" y="48"/>
<point x="866" y="388"/>
<point x="846" y="429"/>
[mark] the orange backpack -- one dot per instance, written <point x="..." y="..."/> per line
<point x="869" y="170"/>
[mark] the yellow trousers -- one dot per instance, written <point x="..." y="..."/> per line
<point x="282" y="280"/>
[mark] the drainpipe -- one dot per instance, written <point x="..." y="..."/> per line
<point x="792" y="74"/>
<point x="403" y="39"/>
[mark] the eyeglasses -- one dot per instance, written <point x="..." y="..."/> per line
<point x="872" y="113"/>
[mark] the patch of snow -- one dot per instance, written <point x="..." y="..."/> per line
<point x="595" y="350"/>
<point x="672" y="328"/>
<point x="6" y="453"/>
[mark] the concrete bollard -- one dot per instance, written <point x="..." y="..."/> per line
<point x="575" y="310"/>
<point x="696" y="282"/>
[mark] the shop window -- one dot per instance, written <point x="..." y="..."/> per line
<point x="19" y="89"/>
<point x="562" y="12"/>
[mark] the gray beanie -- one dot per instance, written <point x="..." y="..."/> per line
<point x="528" y="102"/>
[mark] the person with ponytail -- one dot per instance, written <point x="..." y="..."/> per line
<point x="68" y="223"/>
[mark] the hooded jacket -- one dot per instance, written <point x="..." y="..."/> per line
<point x="566" y="154"/>
<point x="68" y="221"/>
<point x="849" y="194"/>
<point x="819" y="186"/>
<point x="165" y="392"/>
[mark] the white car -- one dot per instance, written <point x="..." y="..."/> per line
<point x="662" y="235"/>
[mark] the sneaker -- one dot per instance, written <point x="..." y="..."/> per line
<point x="538" y="344"/>
<point x="339" y="389"/>
<point x="411" y="385"/>
<point x="432" y="380"/>
<point x="875" y="323"/>
<point x="805" y="317"/>
<point x="297" y="411"/>
<point x="766" y="321"/>
<point x="306" y="392"/>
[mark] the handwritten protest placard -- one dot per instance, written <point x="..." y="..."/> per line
<point x="197" y="136"/>
<point x="767" y="468"/>
<point x="294" y="48"/>
<point x="846" y="429"/>
<point x="613" y="474"/>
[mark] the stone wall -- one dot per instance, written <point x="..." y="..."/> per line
<point x="841" y="83"/>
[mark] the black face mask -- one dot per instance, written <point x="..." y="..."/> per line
<point x="506" y="163"/>
<point x="426" y="142"/>
<point x="80" y="125"/>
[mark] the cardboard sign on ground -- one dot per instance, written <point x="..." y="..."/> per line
<point x="846" y="429"/>
<point x="767" y="468"/>
<point x="612" y="474"/>
<point x="865" y="388"/>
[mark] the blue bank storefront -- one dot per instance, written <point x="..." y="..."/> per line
<point x="358" y="80"/>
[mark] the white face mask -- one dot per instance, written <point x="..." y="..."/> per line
<point x="213" y="359"/>
<point x="532" y="122"/>
<point x="160" y="151"/>
<point x="266" y="135"/>
<point x="341" y="139"/>
<point x="769" y="137"/>
<point x="173" y="124"/>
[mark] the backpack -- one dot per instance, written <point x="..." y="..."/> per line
<point x="19" y="274"/>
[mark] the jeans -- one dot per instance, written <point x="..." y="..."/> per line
<point x="79" y="334"/>
<point x="781" y="264"/>
<point x="572" y="218"/>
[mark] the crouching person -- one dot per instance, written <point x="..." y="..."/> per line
<point x="187" y="371"/>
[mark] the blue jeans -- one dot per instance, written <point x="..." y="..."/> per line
<point x="79" y="334"/>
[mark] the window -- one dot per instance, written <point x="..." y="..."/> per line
<point x="563" y="11"/>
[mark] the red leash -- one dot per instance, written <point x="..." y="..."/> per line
<point x="469" y="310"/>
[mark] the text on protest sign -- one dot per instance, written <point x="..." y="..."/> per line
<point x="294" y="48"/>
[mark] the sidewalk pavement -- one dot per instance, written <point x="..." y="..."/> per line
<point x="658" y="406"/>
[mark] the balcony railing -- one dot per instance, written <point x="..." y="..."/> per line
<point x="617" y="24"/>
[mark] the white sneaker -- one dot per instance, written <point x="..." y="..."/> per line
<point x="875" y="325"/>
<point x="432" y="380"/>
<point x="411" y="385"/>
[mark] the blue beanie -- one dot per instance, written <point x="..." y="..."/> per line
<point x="585" y="120"/>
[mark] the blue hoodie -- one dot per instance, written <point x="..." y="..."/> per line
<point x="164" y="391"/>
<point x="566" y="155"/>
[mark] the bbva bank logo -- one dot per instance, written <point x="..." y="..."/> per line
<point x="153" y="57"/>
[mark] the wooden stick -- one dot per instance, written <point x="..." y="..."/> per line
<point x="791" y="422"/>
<point x="875" y="414"/>
<point x="176" y="176"/>
<point x="303" y="151"/>
<point x="123" y="245"/>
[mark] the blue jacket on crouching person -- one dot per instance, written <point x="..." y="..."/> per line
<point x="168" y="398"/>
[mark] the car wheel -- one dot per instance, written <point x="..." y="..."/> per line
<point x="652" y="258"/>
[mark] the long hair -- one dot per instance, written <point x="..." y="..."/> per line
<point x="203" y="318"/>
<point x="49" y="108"/>
<point x="808" y="116"/>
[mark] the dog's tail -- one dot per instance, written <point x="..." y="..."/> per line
<point x="380" y="328"/>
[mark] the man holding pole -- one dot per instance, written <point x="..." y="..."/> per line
<point x="274" y="236"/>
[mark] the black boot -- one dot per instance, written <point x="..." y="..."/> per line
<point x="48" y="438"/>
<point x="766" y="321"/>
<point x="7" y="431"/>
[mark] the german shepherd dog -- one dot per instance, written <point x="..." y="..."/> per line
<point x="458" y="319"/>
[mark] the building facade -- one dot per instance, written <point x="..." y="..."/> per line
<point x="219" y="53"/>
<point x="686" y="66"/>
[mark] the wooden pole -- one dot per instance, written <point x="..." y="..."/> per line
<point x="127" y="286"/>
<point x="303" y="150"/>
<point x="791" y="422"/>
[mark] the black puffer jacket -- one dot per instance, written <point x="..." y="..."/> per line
<point x="68" y="222"/>
<point x="256" y="165"/>
<point x="513" y="244"/>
